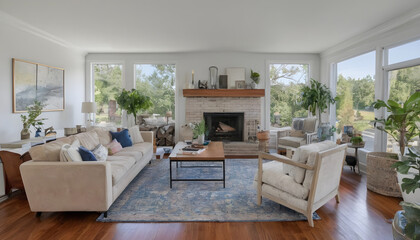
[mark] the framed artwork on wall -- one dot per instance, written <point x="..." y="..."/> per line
<point x="37" y="82"/>
<point x="235" y="74"/>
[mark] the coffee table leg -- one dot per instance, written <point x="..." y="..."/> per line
<point x="224" y="174"/>
<point x="170" y="173"/>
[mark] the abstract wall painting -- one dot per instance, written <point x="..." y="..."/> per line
<point x="37" y="82"/>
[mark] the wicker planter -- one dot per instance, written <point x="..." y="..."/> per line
<point x="381" y="178"/>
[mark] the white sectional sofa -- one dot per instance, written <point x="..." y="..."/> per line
<point x="54" y="186"/>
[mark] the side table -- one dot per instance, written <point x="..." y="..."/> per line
<point x="356" y="147"/>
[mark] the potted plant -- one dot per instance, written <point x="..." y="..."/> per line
<point x="316" y="97"/>
<point x="133" y="101"/>
<point x="401" y="125"/>
<point x="32" y="119"/>
<point x="255" y="78"/>
<point x="357" y="140"/>
<point x="408" y="220"/>
<point x="199" y="130"/>
<point x="401" y="122"/>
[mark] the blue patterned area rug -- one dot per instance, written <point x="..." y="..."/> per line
<point x="148" y="198"/>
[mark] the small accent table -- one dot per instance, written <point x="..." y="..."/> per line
<point x="356" y="147"/>
<point x="213" y="153"/>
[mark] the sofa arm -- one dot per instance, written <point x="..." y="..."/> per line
<point x="67" y="186"/>
<point x="147" y="136"/>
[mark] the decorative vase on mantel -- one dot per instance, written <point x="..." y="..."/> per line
<point x="25" y="134"/>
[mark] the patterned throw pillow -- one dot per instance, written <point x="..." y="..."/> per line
<point x="100" y="152"/>
<point x="114" y="147"/>
<point x="70" y="153"/>
<point x="86" y="154"/>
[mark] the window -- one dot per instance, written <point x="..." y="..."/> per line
<point x="356" y="93"/>
<point x="158" y="82"/>
<point x="286" y="83"/>
<point x="404" y="52"/>
<point x="403" y="83"/>
<point x="108" y="82"/>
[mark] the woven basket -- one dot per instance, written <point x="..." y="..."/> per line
<point x="381" y="178"/>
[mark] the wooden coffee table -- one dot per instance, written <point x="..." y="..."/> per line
<point x="213" y="153"/>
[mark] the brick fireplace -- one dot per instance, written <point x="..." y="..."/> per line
<point x="249" y="106"/>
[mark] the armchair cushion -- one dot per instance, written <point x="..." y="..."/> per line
<point x="294" y="142"/>
<point x="302" y="155"/>
<point x="273" y="175"/>
<point x="297" y="133"/>
<point x="309" y="125"/>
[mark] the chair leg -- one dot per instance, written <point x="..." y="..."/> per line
<point x="337" y="198"/>
<point x="310" y="219"/>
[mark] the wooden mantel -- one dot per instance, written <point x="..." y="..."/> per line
<point x="252" y="93"/>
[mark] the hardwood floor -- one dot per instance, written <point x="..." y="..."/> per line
<point x="360" y="215"/>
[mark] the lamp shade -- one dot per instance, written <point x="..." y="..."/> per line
<point x="88" y="107"/>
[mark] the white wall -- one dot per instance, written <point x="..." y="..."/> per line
<point x="200" y="63"/>
<point x="18" y="43"/>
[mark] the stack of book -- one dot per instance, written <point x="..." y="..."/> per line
<point x="188" y="150"/>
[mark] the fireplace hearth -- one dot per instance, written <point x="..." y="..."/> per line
<point x="224" y="126"/>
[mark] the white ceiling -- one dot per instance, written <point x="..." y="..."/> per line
<point x="290" y="26"/>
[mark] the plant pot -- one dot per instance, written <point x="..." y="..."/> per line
<point x="381" y="177"/>
<point x="25" y="134"/>
<point x="263" y="135"/>
<point x="408" y="197"/>
<point x="200" y="139"/>
<point x="398" y="225"/>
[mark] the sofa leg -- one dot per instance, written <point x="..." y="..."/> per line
<point x="105" y="214"/>
<point x="337" y="198"/>
<point x="38" y="214"/>
<point x="150" y="162"/>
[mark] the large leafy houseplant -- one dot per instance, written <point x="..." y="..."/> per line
<point x="316" y="97"/>
<point x="401" y="122"/>
<point x="32" y="119"/>
<point x="133" y="101"/>
<point x="410" y="164"/>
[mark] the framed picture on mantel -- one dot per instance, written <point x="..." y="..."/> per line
<point x="37" y="82"/>
<point x="235" y="74"/>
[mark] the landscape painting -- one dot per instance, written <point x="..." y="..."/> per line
<point x="37" y="82"/>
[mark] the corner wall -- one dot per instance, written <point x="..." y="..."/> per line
<point x="18" y="43"/>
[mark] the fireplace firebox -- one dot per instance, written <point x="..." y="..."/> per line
<point x="224" y="126"/>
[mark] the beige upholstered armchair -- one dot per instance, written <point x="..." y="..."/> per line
<point x="304" y="183"/>
<point x="302" y="132"/>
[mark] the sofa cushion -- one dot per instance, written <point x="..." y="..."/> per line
<point x="70" y="153"/>
<point x="292" y="141"/>
<point x="145" y="147"/>
<point x="274" y="176"/>
<point x="119" y="166"/>
<point x="49" y="151"/>
<point x="122" y="137"/>
<point x="89" y="140"/>
<point x="103" y="135"/>
<point x="135" y="134"/>
<point x="130" y="152"/>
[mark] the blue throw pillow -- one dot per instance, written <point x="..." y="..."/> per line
<point x="122" y="137"/>
<point x="86" y="154"/>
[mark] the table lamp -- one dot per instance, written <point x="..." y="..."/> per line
<point x="89" y="108"/>
<point x="168" y="115"/>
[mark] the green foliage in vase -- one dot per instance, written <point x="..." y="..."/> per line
<point x="32" y="118"/>
<point x="412" y="216"/>
<point x="401" y="122"/>
<point x="199" y="128"/>
<point x="133" y="101"/>
<point x="316" y="97"/>
<point x="356" y="140"/>
<point x="255" y="77"/>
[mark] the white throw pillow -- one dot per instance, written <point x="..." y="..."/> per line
<point x="135" y="134"/>
<point x="70" y="153"/>
<point x="100" y="152"/>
